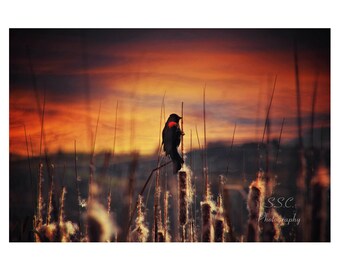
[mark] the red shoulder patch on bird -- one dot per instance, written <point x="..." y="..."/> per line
<point x="172" y="124"/>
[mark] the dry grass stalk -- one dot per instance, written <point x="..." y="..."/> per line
<point x="205" y="155"/>
<point x="61" y="229"/>
<point x="109" y="198"/>
<point x="141" y="231"/>
<point x="40" y="201"/>
<point x="298" y="96"/>
<point x="38" y="220"/>
<point x="157" y="212"/>
<point x="77" y="185"/>
<point x="30" y="170"/>
<point x="230" y="151"/>
<point x="109" y="202"/>
<point x="50" y="196"/>
<point x="255" y="207"/>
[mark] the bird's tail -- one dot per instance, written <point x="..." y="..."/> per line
<point x="177" y="161"/>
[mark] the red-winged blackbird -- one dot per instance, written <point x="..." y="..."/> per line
<point x="171" y="138"/>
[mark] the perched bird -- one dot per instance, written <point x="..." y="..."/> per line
<point x="171" y="136"/>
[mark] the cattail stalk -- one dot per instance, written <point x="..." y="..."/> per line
<point x="255" y="207"/>
<point x="183" y="202"/>
<point x="219" y="221"/>
<point x="226" y="213"/>
<point x="206" y="221"/>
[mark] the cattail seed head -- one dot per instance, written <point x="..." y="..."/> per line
<point x="183" y="204"/>
<point x="255" y="207"/>
<point x="206" y="222"/>
<point x="219" y="221"/>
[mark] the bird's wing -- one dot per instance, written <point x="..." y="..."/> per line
<point x="168" y="138"/>
<point x="177" y="136"/>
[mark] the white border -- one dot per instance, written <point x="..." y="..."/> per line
<point x="207" y="14"/>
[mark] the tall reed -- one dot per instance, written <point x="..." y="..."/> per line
<point x="39" y="219"/>
<point x="31" y="176"/>
<point x="50" y="196"/>
<point x="61" y="226"/>
<point x="77" y="180"/>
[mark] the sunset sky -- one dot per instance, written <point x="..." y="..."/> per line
<point x="81" y="69"/>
